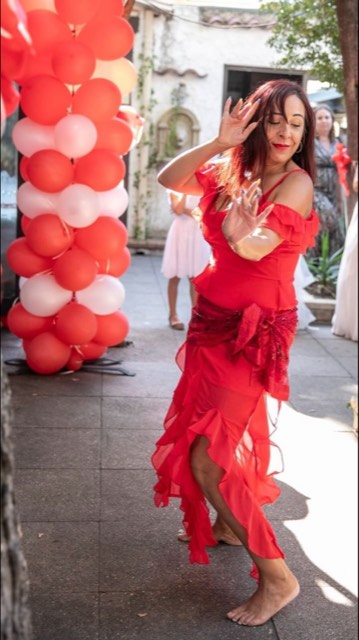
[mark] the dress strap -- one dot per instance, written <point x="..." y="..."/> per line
<point x="282" y="180"/>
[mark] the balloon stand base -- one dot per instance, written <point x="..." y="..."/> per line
<point x="101" y="365"/>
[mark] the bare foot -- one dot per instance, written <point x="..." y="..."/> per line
<point x="221" y="533"/>
<point x="271" y="596"/>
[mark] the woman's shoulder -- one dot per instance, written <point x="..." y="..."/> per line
<point x="296" y="189"/>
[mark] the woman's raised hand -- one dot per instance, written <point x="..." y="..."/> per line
<point x="234" y="128"/>
<point x="242" y="218"/>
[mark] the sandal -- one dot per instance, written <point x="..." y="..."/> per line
<point x="176" y="324"/>
<point x="231" y="540"/>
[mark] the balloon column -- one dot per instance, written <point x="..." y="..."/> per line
<point x="72" y="140"/>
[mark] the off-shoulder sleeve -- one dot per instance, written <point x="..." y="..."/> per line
<point x="206" y="176"/>
<point x="291" y="226"/>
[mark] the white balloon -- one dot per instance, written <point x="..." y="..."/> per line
<point x="105" y="295"/>
<point x="42" y="296"/>
<point x="75" y="135"/>
<point x="113" y="203"/>
<point x="22" y="281"/>
<point x="32" y="202"/>
<point x="78" y="205"/>
<point x="29" y="136"/>
<point x="122" y="72"/>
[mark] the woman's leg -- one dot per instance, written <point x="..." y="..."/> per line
<point x="277" y="585"/>
<point x="172" y="290"/>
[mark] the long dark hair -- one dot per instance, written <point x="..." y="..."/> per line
<point x="326" y="107"/>
<point x="253" y="152"/>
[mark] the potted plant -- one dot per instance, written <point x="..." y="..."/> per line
<point x="322" y="292"/>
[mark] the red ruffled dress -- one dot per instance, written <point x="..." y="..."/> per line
<point x="236" y="351"/>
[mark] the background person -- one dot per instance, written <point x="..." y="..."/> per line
<point x="345" y="318"/>
<point x="327" y="191"/>
<point x="186" y="252"/>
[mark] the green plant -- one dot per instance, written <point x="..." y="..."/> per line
<point x="325" y="268"/>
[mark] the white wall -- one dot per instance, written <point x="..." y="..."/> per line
<point x="185" y="46"/>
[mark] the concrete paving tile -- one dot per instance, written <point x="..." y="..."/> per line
<point x="316" y="366"/>
<point x="65" y="616"/>
<point x="57" y="448"/>
<point x="49" y="495"/>
<point x="127" y="491"/>
<point x="61" y="412"/>
<point x="128" y="449"/>
<point x="318" y="614"/>
<point x="153" y="379"/>
<point x="350" y="364"/>
<point x="327" y="398"/>
<point x="62" y="556"/>
<point x="81" y="383"/>
<point x="150" y="346"/>
<point x="173" y="614"/>
<point x="118" y="413"/>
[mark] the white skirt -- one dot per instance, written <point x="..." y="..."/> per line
<point x="186" y="252"/>
<point x="345" y="319"/>
<point x="302" y="278"/>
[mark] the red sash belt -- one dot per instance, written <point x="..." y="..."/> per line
<point x="263" y="336"/>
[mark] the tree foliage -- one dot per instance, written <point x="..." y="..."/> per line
<point x="306" y="35"/>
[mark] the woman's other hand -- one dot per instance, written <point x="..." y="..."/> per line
<point x="242" y="218"/>
<point x="234" y="128"/>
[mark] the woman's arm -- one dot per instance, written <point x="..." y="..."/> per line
<point x="242" y="228"/>
<point x="177" y="201"/>
<point x="179" y="174"/>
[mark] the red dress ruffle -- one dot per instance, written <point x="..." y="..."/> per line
<point x="236" y="351"/>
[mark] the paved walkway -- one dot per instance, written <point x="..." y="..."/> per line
<point x="104" y="563"/>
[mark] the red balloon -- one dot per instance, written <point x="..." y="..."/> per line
<point x="75" y="361"/>
<point x="49" y="236"/>
<point x="23" y="261"/>
<point x="117" y="264"/>
<point x="46" y="354"/>
<point x="24" y="223"/>
<point x="37" y="65"/>
<point x="45" y="99"/>
<point x="111" y="329"/>
<point x="73" y="62"/>
<point x="114" y="135"/>
<point x="23" y="168"/>
<point x="100" y="169"/>
<point x="98" y="99"/>
<point x="112" y="7"/>
<point x="77" y="12"/>
<point x="24" y="324"/>
<point x="103" y="238"/>
<point x="46" y="29"/>
<point x="92" y="351"/>
<point x="75" y="324"/>
<point x="109" y="37"/>
<point x="50" y="170"/>
<point x="75" y="270"/>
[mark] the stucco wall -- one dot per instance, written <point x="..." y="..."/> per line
<point x="201" y="54"/>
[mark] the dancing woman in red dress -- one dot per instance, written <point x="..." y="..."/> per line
<point x="258" y="218"/>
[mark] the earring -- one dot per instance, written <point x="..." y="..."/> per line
<point x="300" y="147"/>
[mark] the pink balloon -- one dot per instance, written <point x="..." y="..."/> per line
<point x="113" y="203"/>
<point x="78" y="205"/>
<point x="42" y="296"/>
<point x="105" y="295"/>
<point x="33" y="202"/>
<point x="75" y="135"/>
<point x="29" y="136"/>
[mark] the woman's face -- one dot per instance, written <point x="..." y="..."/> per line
<point x="285" y="133"/>
<point x="323" y="122"/>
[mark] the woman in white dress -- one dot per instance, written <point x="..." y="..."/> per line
<point x="186" y="252"/>
<point x="345" y="319"/>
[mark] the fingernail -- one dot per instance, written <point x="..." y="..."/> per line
<point x="259" y="100"/>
